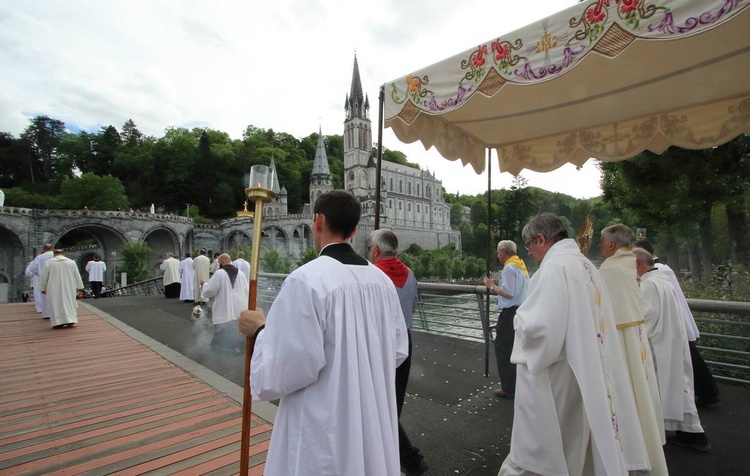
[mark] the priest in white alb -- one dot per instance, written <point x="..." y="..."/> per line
<point x="187" y="290"/>
<point x="674" y="369"/>
<point x="201" y="264"/>
<point x="574" y="404"/>
<point x="35" y="269"/>
<point x="329" y="350"/>
<point x="60" y="281"/>
<point x="621" y="278"/>
<point x="229" y="289"/>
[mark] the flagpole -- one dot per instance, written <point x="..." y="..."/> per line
<point x="260" y="191"/>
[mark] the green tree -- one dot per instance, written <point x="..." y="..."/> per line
<point x="135" y="257"/>
<point x="94" y="192"/>
<point x="43" y="137"/>
<point x="273" y="263"/>
<point x="308" y="254"/>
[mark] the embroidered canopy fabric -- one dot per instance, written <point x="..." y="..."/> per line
<point x="604" y="79"/>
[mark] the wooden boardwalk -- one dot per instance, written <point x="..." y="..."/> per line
<point x="91" y="399"/>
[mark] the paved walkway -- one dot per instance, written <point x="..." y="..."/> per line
<point x="102" y="398"/>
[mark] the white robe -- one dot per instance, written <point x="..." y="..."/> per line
<point x="674" y="368"/>
<point x="687" y="315"/>
<point x="187" y="291"/>
<point x="621" y="279"/>
<point x="243" y="266"/>
<point x="228" y="300"/>
<point x="36" y="267"/>
<point x="35" y="287"/>
<point x="201" y="263"/>
<point x="573" y="400"/>
<point x="61" y="280"/>
<point x="171" y="268"/>
<point x="333" y="339"/>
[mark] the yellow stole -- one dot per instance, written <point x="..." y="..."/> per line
<point x="516" y="260"/>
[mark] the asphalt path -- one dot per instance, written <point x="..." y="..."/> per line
<point x="450" y="412"/>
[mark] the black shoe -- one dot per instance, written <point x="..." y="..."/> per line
<point x="421" y="469"/>
<point x="696" y="441"/>
<point x="59" y="326"/>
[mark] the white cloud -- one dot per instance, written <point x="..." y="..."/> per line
<point x="283" y="65"/>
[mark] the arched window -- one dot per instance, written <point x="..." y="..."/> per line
<point x="391" y="187"/>
<point x="408" y="188"/>
<point x="400" y="186"/>
<point x="419" y="190"/>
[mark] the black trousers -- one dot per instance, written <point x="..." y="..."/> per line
<point x="706" y="390"/>
<point x="410" y="456"/>
<point x="504" y="335"/>
<point x="96" y="288"/>
<point x="172" y="291"/>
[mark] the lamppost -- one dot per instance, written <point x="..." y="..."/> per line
<point x="114" y="269"/>
<point x="260" y="191"/>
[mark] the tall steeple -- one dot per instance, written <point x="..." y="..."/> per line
<point x="357" y="104"/>
<point x="321" y="180"/>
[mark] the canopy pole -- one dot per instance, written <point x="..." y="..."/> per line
<point x="381" y="108"/>
<point x="489" y="252"/>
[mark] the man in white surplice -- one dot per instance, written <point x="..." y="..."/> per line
<point x="201" y="263"/>
<point x="229" y="289"/>
<point x="329" y="350"/>
<point x="674" y="369"/>
<point x="572" y="389"/>
<point x="620" y="276"/>
<point x="242" y="264"/>
<point x="60" y="281"/>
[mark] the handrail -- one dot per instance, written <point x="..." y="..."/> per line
<point x="458" y="310"/>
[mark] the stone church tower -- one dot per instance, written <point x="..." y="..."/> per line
<point x="321" y="180"/>
<point x="359" y="165"/>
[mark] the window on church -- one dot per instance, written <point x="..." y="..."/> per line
<point x="400" y="186"/>
<point x="390" y="203"/>
<point x="418" y="208"/>
<point x="409" y="207"/>
<point x="391" y="187"/>
<point x="399" y="205"/>
<point x="408" y="188"/>
<point x="419" y="190"/>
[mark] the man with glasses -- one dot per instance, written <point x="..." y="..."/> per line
<point x="511" y="292"/>
<point x="572" y="392"/>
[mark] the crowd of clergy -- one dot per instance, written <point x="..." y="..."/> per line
<point x="605" y="372"/>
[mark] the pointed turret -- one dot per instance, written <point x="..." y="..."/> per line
<point x="321" y="180"/>
<point x="276" y="187"/>
<point x="320" y="168"/>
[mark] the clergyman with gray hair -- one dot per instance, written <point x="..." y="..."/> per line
<point x="511" y="291"/>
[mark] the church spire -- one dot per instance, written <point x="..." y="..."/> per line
<point x="357" y="104"/>
<point x="320" y="168"/>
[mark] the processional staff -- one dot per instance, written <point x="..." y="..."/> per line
<point x="259" y="191"/>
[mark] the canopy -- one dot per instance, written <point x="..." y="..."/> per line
<point x="604" y="79"/>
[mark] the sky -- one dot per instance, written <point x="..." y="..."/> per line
<point x="225" y="65"/>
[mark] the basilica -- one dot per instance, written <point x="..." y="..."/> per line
<point x="412" y="203"/>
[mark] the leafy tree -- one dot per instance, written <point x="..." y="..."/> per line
<point x="273" y="263"/>
<point x="308" y="254"/>
<point x="135" y="256"/>
<point x="18" y="197"/>
<point x="94" y="192"/>
<point x="43" y="136"/>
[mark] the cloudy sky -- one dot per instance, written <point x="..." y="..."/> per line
<point x="285" y="65"/>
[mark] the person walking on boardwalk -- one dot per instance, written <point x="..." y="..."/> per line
<point x="35" y="269"/>
<point x="329" y="351"/>
<point x="621" y="278"/>
<point x="674" y="369"/>
<point x="572" y="391"/>
<point x="187" y="291"/>
<point x="96" y="269"/>
<point x="706" y="389"/>
<point x="383" y="247"/>
<point x="171" y="278"/>
<point x="60" y="281"/>
<point x="201" y="263"/>
<point x="511" y="292"/>
<point x="229" y="290"/>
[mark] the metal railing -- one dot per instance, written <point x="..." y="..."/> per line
<point x="461" y="311"/>
<point x="149" y="287"/>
